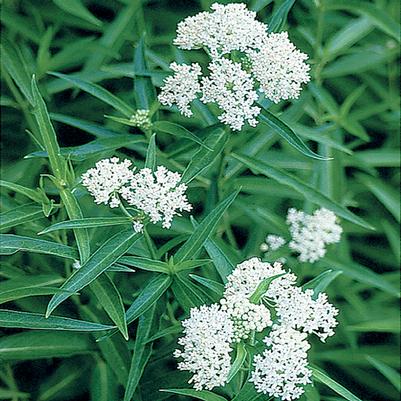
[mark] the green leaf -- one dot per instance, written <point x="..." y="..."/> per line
<point x="150" y="161"/>
<point x="111" y="301"/>
<point x="144" y="91"/>
<point x="103" y="386"/>
<point x="178" y="131"/>
<point x="49" y="138"/>
<point x="307" y="191"/>
<point x="75" y="7"/>
<point x="97" y="91"/>
<point x="141" y="350"/>
<point x="203" y="231"/>
<point x="188" y="294"/>
<point x="6" y="394"/>
<point x="212" y="285"/>
<point x="262" y="288"/>
<point x="153" y="290"/>
<point x="94" y="148"/>
<point x="322" y="377"/>
<point x="14" y="64"/>
<point x="145" y="264"/>
<point x="20" y="215"/>
<point x="88" y="222"/>
<point x="279" y="18"/>
<point x="377" y="16"/>
<point x="27" y="320"/>
<point x="249" y="393"/>
<point x="203" y="395"/>
<point x="190" y="264"/>
<point x="203" y="158"/>
<point x="282" y="129"/>
<point x="175" y="329"/>
<point x="10" y="244"/>
<point x="362" y="274"/>
<point x="62" y="382"/>
<point x="238" y="361"/>
<point x="33" y="345"/>
<point x="322" y="281"/>
<point x="74" y="212"/>
<point x="29" y="193"/>
<point x="100" y="261"/>
<point x="385" y="325"/>
<point x="388" y="196"/>
<point x="388" y="372"/>
<point x="17" y="288"/>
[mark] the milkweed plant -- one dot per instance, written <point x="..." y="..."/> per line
<point x="199" y="201"/>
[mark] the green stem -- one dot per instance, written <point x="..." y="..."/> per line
<point x="149" y="243"/>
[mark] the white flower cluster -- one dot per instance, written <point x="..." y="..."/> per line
<point x="157" y="195"/>
<point x="282" y="369"/>
<point x="206" y="347"/>
<point x="182" y="87"/>
<point x="244" y="58"/>
<point x="106" y="179"/>
<point x="311" y="233"/>
<point x="141" y="119"/>
<point x="272" y="243"/>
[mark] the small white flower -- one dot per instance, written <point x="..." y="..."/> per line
<point x="282" y="369"/>
<point x="141" y="119"/>
<point x="246" y="316"/>
<point x="274" y="242"/>
<point x="311" y="233"/>
<point x="137" y="226"/>
<point x="279" y="67"/>
<point x="106" y="179"/>
<point x="208" y="333"/>
<point x="225" y="29"/>
<point x="76" y="265"/>
<point x="158" y="195"/>
<point x="181" y="88"/>
<point x="231" y="88"/>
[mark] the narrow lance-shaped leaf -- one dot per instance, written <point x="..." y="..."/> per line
<point x="307" y="191"/>
<point x="280" y="16"/>
<point x="75" y="7"/>
<point x="150" y="161"/>
<point x="144" y="92"/>
<point x="74" y="212"/>
<point x="33" y="345"/>
<point x="203" y="395"/>
<point x="329" y="382"/>
<point x="322" y="281"/>
<point x="203" y="230"/>
<point x="10" y="244"/>
<point x="97" y="91"/>
<point x="141" y="348"/>
<point x="89" y="222"/>
<point x="178" y="131"/>
<point x="20" y="215"/>
<point x="238" y="361"/>
<point x="287" y="133"/>
<point x="100" y="261"/>
<point x="111" y="301"/>
<point x="49" y="139"/>
<point x="203" y="158"/>
<point x="27" y="320"/>
<point x="28" y="192"/>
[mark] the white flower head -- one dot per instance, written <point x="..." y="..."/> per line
<point x="274" y="242"/>
<point x="141" y="119"/>
<point x="225" y="29"/>
<point x="282" y="369"/>
<point x="246" y="316"/>
<point x="106" y="180"/>
<point x="159" y="195"/>
<point x="208" y="333"/>
<point x="311" y="233"/>
<point x="182" y="87"/>
<point x="279" y="67"/>
<point x="231" y="88"/>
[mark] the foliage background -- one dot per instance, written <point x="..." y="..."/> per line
<point x="350" y="112"/>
